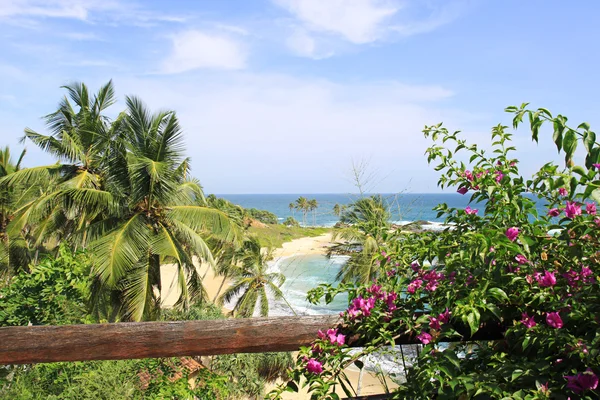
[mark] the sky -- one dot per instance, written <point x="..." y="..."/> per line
<point x="282" y="96"/>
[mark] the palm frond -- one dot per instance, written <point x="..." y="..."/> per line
<point x="120" y="250"/>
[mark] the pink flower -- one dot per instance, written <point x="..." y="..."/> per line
<point x="572" y="209"/>
<point x="471" y="211"/>
<point x="597" y="166"/>
<point x="547" y="280"/>
<point x="314" y="367"/>
<point x="467" y="174"/>
<point x="391" y="301"/>
<point x="512" y="233"/>
<point x="415" y="266"/>
<point x="321" y="334"/>
<point x="375" y="290"/>
<point x="424" y="337"/>
<point x="563" y="192"/>
<point x="431" y="286"/>
<point x="414" y="285"/>
<point x="445" y="316"/>
<point x="463" y="190"/>
<point x="590" y="208"/>
<point x="528" y="321"/>
<point x="597" y="222"/>
<point x="499" y="176"/>
<point x="587" y="380"/>
<point x="553" y="319"/>
<point x="521" y="259"/>
<point x="434" y="323"/>
<point x="554" y="212"/>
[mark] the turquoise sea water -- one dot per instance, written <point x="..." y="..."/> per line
<point x="305" y="272"/>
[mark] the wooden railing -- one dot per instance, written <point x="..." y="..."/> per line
<point x="40" y="344"/>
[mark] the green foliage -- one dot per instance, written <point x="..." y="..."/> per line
<point x="263" y="216"/>
<point x="499" y="266"/>
<point x="276" y="235"/>
<point x="363" y="228"/>
<point x="252" y="282"/>
<point x="55" y="292"/>
<point x="124" y="192"/>
<point x="248" y="373"/>
<point x="291" y="222"/>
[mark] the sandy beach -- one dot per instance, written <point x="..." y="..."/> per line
<point x="302" y="246"/>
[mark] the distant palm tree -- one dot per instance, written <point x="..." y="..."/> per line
<point x="292" y="207"/>
<point x="253" y="282"/>
<point x="302" y="206"/>
<point x="312" y="206"/>
<point x="337" y="210"/>
<point x="366" y="223"/>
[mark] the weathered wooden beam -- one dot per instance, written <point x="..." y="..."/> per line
<point x="38" y="344"/>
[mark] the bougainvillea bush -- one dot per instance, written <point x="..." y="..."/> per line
<point x="519" y="265"/>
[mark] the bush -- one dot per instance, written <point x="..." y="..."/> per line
<point x="521" y="260"/>
<point x="55" y="292"/>
<point x="263" y="216"/>
<point x="291" y="222"/>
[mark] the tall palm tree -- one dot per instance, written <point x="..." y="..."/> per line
<point x="292" y="207"/>
<point x="82" y="138"/>
<point x="155" y="218"/>
<point x="366" y="224"/>
<point x="302" y="206"/>
<point x="312" y="206"/>
<point x="253" y="281"/>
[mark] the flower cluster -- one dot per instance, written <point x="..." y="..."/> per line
<point x="361" y="307"/>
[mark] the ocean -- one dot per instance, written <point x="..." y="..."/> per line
<point x="304" y="272"/>
<point x="404" y="206"/>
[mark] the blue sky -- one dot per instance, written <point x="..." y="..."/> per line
<point x="279" y="96"/>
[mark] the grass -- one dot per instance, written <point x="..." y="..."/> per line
<point x="275" y="235"/>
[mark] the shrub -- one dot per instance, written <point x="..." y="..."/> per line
<point x="291" y="221"/>
<point x="521" y="260"/>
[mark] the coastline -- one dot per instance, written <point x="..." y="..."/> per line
<point x="316" y="245"/>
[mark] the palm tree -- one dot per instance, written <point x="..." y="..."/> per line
<point x="253" y="281"/>
<point x="14" y="251"/>
<point x="83" y="139"/>
<point x="312" y="206"/>
<point x="366" y="223"/>
<point x="292" y="207"/>
<point x="125" y="191"/>
<point x="302" y="206"/>
<point x="156" y="218"/>
<point x="337" y="210"/>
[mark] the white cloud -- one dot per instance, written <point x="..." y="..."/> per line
<point x="121" y="11"/>
<point x="358" y="21"/>
<point x="287" y="134"/>
<point x="320" y="28"/>
<point x="195" y="49"/>
<point x="303" y="44"/>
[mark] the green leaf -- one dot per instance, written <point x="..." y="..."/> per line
<point x="569" y="144"/>
<point x="498" y="294"/>
<point x="589" y="138"/>
<point x="516" y="374"/>
<point x="473" y="321"/>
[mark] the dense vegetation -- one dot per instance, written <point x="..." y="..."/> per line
<point x="500" y="266"/>
<point x="84" y="241"/>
